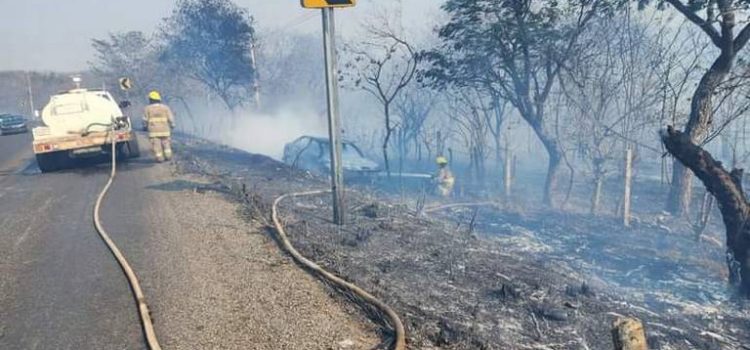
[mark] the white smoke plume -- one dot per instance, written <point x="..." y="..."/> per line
<point x="261" y="133"/>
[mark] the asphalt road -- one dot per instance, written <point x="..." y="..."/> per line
<point x="211" y="279"/>
<point x="60" y="286"/>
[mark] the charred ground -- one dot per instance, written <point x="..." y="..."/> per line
<point x="492" y="278"/>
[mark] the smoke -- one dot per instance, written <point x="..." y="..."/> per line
<point x="267" y="134"/>
<point x="261" y="133"/>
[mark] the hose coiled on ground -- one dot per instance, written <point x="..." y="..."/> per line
<point x="394" y="320"/>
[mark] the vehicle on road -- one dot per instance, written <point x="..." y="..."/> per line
<point x="312" y="154"/>
<point x="76" y="124"/>
<point x="12" y="124"/>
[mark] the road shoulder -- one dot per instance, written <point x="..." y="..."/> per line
<point x="215" y="280"/>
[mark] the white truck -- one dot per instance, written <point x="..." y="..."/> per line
<point x="77" y="124"/>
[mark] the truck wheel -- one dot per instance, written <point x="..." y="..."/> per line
<point x="49" y="162"/>
<point x="132" y="145"/>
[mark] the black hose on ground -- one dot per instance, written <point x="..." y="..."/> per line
<point x="393" y="319"/>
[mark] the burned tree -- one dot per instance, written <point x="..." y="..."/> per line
<point x="610" y="87"/>
<point x="130" y="54"/>
<point x="518" y="49"/>
<point x="468" y="111"/>
<point x="718" y="20"/>
<point x="292" y="55"/>
<point x="726" y="187"/>
<point x="382" y="66"/>
<point x="414" y="107"/>
<point x="209" y="42"/>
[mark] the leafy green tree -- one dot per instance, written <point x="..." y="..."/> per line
<point x="209" y="41"/>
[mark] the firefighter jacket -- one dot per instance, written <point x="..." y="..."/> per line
<point x="445" y="181"/>
<point x="159" y="120"/>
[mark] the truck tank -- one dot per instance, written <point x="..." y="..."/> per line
<point x="71" y="112"/>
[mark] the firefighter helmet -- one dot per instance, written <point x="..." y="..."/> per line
<point x="154" y="95"/>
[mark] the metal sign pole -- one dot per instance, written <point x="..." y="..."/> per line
<point x="334" y="123"/>
<point x="31" y="96"/>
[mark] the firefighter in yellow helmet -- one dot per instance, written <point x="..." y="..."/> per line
<point x="444" y="178"/>
<point x="159" y="122"/>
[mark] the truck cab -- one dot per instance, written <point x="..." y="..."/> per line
<point x="76" y="124"/>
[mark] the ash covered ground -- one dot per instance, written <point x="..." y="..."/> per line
<point x="500" y="278"/>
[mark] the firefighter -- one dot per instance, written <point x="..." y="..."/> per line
<point x="159" y="122"/>
<point x="444" y="179"/>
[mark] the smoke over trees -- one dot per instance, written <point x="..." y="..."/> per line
<point x="516" y="51"/>
<point x="203" y="45"/>
<point x="383" y="65"/>
<point x="559" y="89"/>
<point x="210" y="42"/>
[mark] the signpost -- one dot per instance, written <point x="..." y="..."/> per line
<point x="323" y="4"/>
<point x="334" y="121"/>
<point x="126" y="84"/>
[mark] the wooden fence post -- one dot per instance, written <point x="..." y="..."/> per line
<point x="628" y="334"/>
<point x="507" y="170"/>
<point x="628" y="180"/>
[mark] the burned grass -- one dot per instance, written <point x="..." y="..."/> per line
<point x="462" y="279"/>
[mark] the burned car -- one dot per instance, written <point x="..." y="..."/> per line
<point x="312" y="154"/>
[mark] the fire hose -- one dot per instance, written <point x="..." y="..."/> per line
<point x="135" y="286"/>
<point x="394" y="320"/>
<point x="459" y="205"/>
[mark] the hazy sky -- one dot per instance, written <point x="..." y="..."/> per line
<point x="56" y="34"/>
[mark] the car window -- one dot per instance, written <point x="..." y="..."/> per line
<point x="306" y="148"/>
<point x="349" y="150"/>
<point x="320" y="149"/>
<point x="11" y="119"/>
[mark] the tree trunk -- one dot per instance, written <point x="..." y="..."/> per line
<point x="726" y="187"/>
<point x="418" y="147"/>
<point x="678" y="202"/>
<point x="387" y="139"/>
<point x="498" y="155"/>
<point x="681" y="190"/>
<point x="550" y="183"/>
<point x="507" y="171"/>
<point x="555" y="157"/>
<point x="704" y="215"/>
<point x="628" y="180"/>
<point x="597" y="195"/>
<point x="469" y="172"/>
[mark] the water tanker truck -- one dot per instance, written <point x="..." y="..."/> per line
<point x="77" y="124"/>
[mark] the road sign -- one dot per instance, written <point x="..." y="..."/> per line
<point x="126" y="84"/>
<point x="320" y="4"/>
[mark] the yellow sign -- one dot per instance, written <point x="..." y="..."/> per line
<point x="126" y="84"/>
<point x="319" y="4"/>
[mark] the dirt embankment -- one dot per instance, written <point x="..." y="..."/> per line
<point x="493" y="280"/>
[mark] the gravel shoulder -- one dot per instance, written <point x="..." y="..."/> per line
<point x="215" y="279"/>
